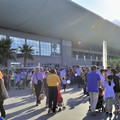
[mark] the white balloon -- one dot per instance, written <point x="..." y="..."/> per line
<point x="76" y="75"/>
<point x="68" y="81"/>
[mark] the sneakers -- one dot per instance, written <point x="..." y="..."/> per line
<point x="49" y="111"/>
<point x="107" y="113"/>
<point x="54" y="111"/>
<point x="110" y="114"/>
<point x="36" y="104"/>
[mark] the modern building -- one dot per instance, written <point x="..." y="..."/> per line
<point x="61" y="32"/>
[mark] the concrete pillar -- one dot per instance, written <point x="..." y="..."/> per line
<point x="104" y="54"/>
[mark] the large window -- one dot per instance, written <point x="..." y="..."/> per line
<point x="45" y="48"/>
<point x="35" y="46"/>
<point x="56" y="51"/>
<point x="17" y="42"/>
<point x="2" y="36"/>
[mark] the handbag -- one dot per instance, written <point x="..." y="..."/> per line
<point x="41" y="96"/>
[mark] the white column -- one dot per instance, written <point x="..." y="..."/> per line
<point x="104" y="54"/>
<point x="76" y="57"/>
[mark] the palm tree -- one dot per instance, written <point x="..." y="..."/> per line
<point x="6" y="52"/>
<point x="26" y="52"/>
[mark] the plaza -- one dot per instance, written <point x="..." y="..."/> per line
<point x="21" y="106"/>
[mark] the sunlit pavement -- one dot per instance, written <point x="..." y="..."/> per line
<point x="21" y="106"/>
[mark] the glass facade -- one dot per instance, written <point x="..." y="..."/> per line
<point x="45" y="48"/>
<point x="56" y="51"/>
<point x="51" y="49"/>
<point x="17" y="42"/>
<point x="86" y="55"/>
<point x="35" y="46"/>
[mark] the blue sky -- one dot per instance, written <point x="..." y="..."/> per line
<point x="108" y="9"/>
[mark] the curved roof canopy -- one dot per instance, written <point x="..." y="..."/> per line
<point x="59" y="19"/>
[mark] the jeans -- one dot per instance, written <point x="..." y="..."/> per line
<point x="93" y="100"/>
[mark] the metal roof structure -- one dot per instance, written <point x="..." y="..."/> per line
<point x="59" y="19"/>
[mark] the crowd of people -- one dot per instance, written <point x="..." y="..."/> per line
<point x="47" y="81"/>
<point x="108" y="80"/>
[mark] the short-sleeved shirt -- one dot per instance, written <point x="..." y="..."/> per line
<point x="93" y="81"/>
<point x="109" y="91"/>
<point x="53" y="80"/>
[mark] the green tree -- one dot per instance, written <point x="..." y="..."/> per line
<point x="6" y="52"/>
<point x="115" y="63"/>
<point x="26" y="52"/>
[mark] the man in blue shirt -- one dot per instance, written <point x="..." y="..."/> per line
<point x="93" y="81"/>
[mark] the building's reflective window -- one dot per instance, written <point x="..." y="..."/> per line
<point x="17" y="42"/>
<point x="45" y="48"/>
<point x="35" y="46"/>
<point x="56" y="51"/>
<point x="2" y="37"/>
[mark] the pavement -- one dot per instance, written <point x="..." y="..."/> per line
<point x="21" y="106"/>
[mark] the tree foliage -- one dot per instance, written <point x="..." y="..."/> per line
<point x="115" y="63"/>
<point x="6" y="52"/>
<point x="26" y="52"/>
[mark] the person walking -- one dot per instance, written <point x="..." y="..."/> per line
<point x="53" y="81"/>
<point x="64" y="82"/>
<point x="3" y="92"/>
<point x="93" y="81"/>
<point x="109" y="95"/>
<point x="45" y="86"/>
<point x="37" y="79"/>
<point x="116" y="81"/>
<point x="78" y="76"/>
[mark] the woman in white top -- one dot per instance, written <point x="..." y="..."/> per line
<point x="109" y="95"/>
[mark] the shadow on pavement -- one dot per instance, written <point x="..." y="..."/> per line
<point x="25" y="114"/>
<point x="45" y="117"/>
<point x="101" y="116"/>
<point x="73" y="102"/>
<point x="23" y="102"/>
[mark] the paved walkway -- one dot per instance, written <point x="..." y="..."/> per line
<point x="20" y="106"/>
